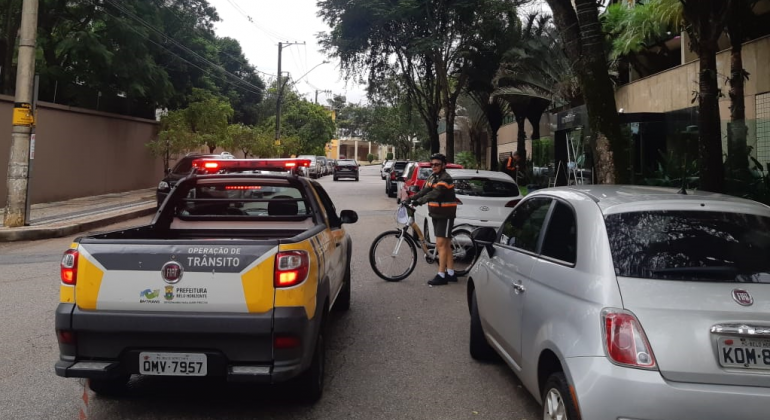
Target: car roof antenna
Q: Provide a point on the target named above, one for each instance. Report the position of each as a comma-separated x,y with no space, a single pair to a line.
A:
683,190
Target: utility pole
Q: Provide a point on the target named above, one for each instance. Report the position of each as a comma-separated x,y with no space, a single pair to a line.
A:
23,118
327,91
279,86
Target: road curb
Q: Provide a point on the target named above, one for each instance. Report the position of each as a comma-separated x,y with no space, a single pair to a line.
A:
34,233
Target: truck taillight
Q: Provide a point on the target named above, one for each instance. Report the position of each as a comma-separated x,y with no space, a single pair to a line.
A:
512,203
625,340
69,267
291,268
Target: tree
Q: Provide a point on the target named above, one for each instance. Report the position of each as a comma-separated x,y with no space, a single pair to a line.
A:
583,44
174,138
429,41
208,117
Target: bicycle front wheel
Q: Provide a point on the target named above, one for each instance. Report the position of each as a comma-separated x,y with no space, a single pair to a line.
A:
393,255
464,252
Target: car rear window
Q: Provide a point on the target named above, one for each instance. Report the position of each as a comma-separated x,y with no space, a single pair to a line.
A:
346,162
242,201
485,187
690,245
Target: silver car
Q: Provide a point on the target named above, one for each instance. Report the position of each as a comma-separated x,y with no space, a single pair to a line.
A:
613,302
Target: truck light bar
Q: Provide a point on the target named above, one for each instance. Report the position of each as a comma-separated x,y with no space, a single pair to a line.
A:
209,165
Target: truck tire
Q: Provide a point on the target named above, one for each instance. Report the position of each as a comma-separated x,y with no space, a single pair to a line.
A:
310,383
342,303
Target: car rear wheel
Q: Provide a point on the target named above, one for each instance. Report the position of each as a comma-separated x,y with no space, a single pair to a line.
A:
336,179
480,348
557,400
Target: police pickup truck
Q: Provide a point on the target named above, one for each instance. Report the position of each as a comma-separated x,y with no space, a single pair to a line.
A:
234,277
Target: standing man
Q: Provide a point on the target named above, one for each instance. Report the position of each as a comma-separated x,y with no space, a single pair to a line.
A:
514,166
439,193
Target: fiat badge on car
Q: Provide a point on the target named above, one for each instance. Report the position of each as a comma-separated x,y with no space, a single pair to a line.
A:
171,272
742,297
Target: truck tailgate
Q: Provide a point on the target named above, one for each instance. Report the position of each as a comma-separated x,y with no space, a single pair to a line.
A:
176,277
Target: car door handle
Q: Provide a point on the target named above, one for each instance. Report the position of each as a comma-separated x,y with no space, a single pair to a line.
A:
518,287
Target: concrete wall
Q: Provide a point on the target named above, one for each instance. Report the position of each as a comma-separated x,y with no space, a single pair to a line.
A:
80,153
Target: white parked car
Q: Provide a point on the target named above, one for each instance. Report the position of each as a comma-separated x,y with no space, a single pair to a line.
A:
485,199
626,302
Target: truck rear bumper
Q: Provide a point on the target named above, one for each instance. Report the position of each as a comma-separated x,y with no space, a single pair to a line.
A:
239,347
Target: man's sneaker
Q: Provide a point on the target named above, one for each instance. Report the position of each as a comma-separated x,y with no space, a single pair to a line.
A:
437,281
451,277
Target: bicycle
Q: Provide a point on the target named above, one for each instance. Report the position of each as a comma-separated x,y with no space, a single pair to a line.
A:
393,254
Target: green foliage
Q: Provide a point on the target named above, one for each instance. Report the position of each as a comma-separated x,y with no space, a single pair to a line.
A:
208,117
675,170
131,56
370,157
542,152
174,138
632,29
467,159
389,156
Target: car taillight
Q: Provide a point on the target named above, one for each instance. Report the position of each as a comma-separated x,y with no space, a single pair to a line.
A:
625,340
291,268
392,176
65,337
336,168
286,342
512,203
69,267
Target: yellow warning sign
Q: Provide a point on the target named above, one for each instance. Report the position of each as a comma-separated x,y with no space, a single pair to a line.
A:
277,142
22,115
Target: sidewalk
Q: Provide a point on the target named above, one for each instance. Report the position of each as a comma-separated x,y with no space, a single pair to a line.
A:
64,218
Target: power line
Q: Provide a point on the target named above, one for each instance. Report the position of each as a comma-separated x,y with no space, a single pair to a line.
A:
272,34
180,45
146,36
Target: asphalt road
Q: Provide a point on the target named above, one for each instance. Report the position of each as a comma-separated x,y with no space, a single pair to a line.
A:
401,352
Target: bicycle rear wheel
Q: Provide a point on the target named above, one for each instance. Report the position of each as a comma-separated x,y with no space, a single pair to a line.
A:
464,251
393,255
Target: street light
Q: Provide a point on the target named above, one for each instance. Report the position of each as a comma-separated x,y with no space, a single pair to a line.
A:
278,104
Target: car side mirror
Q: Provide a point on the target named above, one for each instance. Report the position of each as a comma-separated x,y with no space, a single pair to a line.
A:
414,189
485,237
348,216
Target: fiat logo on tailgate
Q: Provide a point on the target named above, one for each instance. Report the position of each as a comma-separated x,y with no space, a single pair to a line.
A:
742,297
171,272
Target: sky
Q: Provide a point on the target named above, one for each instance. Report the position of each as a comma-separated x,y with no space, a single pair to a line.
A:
274,21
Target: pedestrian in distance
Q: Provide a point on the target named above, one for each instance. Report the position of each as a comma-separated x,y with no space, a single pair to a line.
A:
514,166
438,192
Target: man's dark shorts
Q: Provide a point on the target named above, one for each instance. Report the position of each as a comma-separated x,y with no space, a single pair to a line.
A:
442,228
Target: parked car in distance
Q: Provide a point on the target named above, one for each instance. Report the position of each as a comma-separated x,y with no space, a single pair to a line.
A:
601,297
385,169
346,168
331,163
181,169
400,180
485,199
314,170
395,171
322,165
415,176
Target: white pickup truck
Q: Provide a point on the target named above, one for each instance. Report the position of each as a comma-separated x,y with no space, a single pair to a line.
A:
234,277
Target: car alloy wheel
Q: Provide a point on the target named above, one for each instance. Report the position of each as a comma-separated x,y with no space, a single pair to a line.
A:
553,406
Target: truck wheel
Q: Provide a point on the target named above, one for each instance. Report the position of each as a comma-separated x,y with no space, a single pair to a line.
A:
343,300
310,383
109,387
557,399
480,348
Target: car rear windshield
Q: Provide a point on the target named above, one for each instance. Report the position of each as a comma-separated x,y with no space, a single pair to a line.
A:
485,187
346,162
242,201
690,245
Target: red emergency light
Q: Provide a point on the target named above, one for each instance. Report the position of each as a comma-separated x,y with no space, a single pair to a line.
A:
208,165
